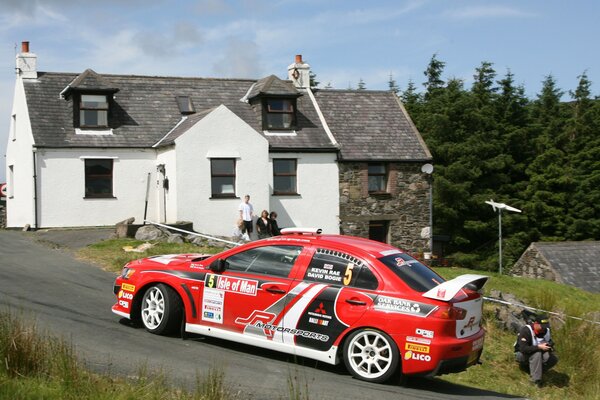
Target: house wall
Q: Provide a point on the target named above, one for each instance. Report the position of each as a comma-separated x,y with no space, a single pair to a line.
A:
532,264
405,207
19,155
222,134
166,210
61,187
318,202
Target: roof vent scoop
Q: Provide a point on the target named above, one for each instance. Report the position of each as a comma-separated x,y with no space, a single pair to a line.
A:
26,63
299,73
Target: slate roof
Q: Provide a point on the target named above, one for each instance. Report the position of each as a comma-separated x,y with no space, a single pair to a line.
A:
371,125
577,263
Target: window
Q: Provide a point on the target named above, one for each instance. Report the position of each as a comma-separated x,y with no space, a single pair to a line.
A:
378,230
377,178
416,275
268,260
10,193
98,178
13,130
284,176
279,114
222,177
337,268
186,106
93,111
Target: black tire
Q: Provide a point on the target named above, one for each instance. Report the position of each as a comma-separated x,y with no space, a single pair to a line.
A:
371,355
161,310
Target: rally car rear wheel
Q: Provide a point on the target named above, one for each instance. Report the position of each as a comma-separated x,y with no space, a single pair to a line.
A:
371,355
161,309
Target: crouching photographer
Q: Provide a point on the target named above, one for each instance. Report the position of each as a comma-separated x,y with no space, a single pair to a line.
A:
534,349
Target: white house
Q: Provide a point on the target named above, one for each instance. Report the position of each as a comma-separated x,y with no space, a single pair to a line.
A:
90,150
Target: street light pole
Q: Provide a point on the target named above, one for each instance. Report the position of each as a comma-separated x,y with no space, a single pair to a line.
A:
500,207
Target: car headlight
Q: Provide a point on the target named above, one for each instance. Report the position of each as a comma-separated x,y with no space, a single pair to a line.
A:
127,272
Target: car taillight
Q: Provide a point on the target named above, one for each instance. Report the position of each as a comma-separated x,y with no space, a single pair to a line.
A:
450,312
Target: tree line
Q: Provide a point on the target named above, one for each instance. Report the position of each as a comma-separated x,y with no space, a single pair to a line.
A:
490,141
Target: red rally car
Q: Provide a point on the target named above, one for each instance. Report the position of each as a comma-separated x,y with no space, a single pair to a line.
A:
325,297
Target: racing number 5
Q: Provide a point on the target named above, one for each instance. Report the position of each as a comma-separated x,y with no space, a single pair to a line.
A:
348,274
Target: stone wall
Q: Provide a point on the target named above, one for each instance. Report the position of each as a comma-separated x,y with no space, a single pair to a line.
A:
2,217
532,264
405,207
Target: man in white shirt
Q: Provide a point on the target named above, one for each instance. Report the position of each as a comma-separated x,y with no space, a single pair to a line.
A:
247,214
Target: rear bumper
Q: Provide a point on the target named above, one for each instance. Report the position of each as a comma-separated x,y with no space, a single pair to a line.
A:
454,365
442,355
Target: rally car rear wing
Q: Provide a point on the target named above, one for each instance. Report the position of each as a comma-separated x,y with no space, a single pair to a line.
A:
447,290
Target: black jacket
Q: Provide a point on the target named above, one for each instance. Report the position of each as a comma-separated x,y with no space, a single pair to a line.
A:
525,341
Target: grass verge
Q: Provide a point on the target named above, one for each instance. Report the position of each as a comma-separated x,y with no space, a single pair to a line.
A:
576,376
37,366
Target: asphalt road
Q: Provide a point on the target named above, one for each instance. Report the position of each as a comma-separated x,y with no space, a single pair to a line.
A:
72,299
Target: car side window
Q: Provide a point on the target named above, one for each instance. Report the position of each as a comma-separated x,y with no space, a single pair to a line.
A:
267,260
338,268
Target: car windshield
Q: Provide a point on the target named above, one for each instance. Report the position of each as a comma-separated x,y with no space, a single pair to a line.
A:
416,275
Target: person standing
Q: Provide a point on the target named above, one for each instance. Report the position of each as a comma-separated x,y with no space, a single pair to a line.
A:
263,225
535,348
274,226
247,214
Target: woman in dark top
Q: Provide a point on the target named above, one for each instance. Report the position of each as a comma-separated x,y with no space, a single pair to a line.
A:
263,225
274,227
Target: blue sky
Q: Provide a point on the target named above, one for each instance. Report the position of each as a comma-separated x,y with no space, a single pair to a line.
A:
343,40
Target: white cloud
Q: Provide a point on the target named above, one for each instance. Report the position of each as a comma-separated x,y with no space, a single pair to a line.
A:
240,59
491,11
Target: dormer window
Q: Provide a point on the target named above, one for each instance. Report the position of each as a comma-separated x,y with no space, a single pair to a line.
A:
279,114
93,111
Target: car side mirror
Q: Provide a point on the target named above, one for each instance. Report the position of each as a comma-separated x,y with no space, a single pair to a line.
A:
218,265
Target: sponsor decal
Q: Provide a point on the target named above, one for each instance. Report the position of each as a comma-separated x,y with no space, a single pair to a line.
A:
262,320
416,347
124,303
212,305
197,266
389,252
229,284
125,295
477,344
399,261
318,321
393,304
409,355
441,292
128,287
470,324
415,339
424,333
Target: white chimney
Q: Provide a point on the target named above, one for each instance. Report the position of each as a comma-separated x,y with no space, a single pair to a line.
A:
26,62
299,73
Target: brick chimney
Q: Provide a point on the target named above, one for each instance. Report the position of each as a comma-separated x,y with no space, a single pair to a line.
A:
299,73
26,63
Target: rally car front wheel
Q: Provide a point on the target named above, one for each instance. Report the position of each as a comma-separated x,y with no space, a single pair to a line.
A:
371,355
161,309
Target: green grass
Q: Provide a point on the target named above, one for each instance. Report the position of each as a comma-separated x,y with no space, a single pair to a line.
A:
577,375
37,366
111,256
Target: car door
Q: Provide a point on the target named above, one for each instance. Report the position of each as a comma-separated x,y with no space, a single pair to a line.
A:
334,293
249,295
